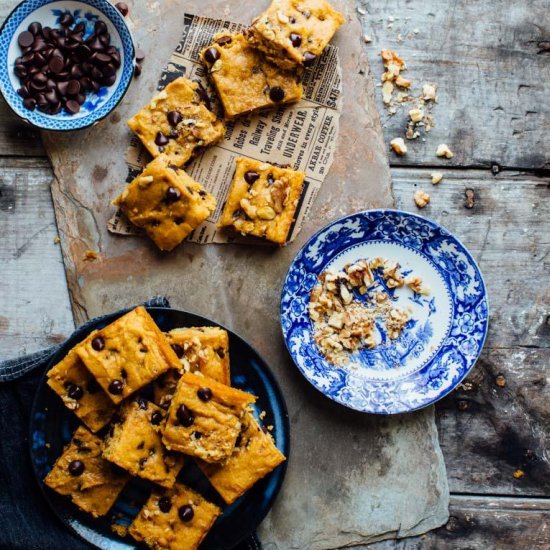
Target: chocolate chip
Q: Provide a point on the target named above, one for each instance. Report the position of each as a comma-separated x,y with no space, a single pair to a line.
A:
224,40
35,28
76,467
186,512
211,55
161,140
295,39
23,92
250,177
51,96
309,59
140,55
156,418
100,27
204,394
73,87
172,194
178,350
29,103
220,352
66,20
116,387
98,343
25,39
137,70
270,179
93,386
122,8
174,118
292,20
164,504
79,28
123,374
197,435
56,64
276,94
75,392
185,416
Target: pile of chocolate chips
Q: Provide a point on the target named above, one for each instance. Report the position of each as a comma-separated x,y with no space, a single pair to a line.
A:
58,67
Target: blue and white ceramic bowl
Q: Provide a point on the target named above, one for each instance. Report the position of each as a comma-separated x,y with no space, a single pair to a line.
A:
440,343
48,13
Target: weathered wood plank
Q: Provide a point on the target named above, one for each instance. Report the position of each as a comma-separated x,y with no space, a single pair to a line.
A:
490,60
16,137
484,523
34,306
508,233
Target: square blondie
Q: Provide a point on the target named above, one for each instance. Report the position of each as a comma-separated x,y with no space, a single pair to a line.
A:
177,519
80,392
166,202
135,444
204,418
245,81
199,349
262,200
177,122
254,456
82,474
127,354
295,32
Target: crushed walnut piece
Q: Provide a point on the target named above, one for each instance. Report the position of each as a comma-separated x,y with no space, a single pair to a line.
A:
343,321
444,151
90,256
421,198
398,146
436,177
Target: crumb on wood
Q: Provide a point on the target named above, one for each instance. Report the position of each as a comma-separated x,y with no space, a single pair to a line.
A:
120,530
500,381
443,150
90,256
56,239
436,177
398,146
421,198
519,473
469,199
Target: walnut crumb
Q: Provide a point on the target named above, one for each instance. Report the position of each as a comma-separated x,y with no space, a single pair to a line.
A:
56,239
518,474
421,198
367,39
436,177
398,146
444,151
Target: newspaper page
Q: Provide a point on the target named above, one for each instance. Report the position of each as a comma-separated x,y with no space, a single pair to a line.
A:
302,135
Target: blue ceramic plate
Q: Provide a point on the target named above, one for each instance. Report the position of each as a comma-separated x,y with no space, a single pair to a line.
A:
48,13
440,343
52,425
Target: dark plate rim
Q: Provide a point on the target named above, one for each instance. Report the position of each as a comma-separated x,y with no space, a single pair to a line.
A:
87,328
384,211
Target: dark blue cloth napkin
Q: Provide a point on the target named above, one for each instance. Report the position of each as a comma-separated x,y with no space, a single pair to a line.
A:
26,521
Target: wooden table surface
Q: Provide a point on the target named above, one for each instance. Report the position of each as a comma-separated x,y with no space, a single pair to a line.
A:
491,61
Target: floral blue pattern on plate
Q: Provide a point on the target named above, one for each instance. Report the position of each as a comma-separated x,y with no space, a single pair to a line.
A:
52,425
48,13
438,346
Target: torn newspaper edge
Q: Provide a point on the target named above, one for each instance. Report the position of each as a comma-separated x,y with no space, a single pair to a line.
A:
302,134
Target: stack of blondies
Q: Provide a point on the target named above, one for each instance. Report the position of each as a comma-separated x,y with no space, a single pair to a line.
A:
254,70
190,412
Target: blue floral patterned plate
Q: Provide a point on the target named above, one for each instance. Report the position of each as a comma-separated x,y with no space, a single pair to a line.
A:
49,12
52,425
439,344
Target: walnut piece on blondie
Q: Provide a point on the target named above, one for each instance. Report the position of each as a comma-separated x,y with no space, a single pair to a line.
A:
135,444
199,349
245,81
82,474
166,202
177,121
255,455
295,32
80,392
204,418
262,200
127,354
176,519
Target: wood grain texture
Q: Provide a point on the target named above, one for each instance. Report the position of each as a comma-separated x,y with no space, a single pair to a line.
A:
490,60
34,307
508,233
16,137
484,523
